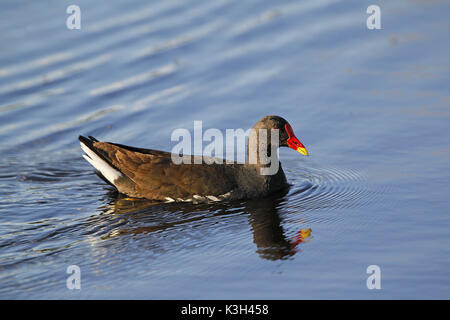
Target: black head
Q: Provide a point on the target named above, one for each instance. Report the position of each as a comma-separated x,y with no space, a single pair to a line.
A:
286,133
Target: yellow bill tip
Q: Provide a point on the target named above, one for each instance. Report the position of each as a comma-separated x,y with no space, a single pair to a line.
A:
303,151
305,233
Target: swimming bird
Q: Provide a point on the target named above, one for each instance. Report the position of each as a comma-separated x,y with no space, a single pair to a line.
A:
153,175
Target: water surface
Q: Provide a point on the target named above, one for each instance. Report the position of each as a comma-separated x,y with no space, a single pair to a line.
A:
372,107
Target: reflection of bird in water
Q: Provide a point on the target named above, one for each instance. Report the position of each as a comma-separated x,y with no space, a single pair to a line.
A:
268,233
264,219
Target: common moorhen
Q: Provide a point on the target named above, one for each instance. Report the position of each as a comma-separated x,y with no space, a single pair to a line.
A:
152,174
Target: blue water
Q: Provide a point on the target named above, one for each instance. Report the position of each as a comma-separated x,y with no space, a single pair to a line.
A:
371,106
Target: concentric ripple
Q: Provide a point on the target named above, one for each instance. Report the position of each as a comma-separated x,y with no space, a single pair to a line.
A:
316,188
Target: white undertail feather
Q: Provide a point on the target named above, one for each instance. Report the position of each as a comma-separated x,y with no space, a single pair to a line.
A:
101,165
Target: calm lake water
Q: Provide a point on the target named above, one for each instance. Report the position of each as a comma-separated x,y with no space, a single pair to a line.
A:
371,106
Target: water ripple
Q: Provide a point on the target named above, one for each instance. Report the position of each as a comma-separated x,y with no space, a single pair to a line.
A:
316,188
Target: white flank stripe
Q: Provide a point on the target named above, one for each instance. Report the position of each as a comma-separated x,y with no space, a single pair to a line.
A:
213,198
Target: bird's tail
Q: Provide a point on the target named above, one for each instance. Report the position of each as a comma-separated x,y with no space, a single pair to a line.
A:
106,170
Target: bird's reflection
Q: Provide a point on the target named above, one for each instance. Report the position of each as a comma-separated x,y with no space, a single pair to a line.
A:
264,218
268,233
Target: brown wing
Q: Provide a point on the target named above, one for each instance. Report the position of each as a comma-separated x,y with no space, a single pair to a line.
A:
156,176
